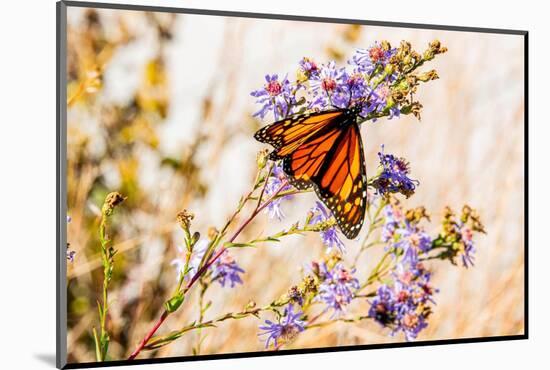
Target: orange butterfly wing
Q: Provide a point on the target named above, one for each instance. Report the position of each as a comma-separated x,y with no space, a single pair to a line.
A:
288,134
325,150
342,182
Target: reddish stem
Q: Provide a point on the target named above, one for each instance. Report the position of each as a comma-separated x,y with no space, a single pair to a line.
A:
205,267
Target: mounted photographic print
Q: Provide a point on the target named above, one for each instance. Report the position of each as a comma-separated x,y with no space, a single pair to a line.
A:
236,184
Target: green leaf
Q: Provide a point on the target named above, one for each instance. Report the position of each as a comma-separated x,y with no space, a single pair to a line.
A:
97,346
240,245
174,303
157,342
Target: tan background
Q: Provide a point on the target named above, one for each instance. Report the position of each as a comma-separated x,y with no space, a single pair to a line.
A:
467,149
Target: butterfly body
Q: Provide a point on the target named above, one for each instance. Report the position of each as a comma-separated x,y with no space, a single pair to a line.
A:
324,150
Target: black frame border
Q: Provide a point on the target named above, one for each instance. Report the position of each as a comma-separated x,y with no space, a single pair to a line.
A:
61,171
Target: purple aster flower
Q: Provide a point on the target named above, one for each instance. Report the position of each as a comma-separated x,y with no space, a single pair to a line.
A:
382,306
355,91
379,101
367,60
405,236
277,96
329,236
326,88
355,85
404,305
336,289
394,176
274,209
467,253
199,249
287,327
393,218
458,235
226,270
309,68
412,241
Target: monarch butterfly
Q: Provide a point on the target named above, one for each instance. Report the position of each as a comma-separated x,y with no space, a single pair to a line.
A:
324,150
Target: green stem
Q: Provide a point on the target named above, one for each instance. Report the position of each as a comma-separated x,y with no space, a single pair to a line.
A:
144,343
346,320
372,227
202,310
157,342
107,255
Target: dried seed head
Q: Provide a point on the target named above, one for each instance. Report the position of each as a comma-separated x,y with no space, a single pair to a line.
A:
111,201
309,285
184,219
428,76
415,215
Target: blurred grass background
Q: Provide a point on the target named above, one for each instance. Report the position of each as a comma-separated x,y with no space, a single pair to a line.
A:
159,109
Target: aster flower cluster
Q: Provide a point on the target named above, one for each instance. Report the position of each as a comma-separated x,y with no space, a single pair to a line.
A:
337,286
381,80
278,96
320,216
303,293
404,304
274,209
394,176
286,328
457,237
226,271
403,234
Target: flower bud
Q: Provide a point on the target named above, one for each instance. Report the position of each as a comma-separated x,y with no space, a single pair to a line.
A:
195,238
261,158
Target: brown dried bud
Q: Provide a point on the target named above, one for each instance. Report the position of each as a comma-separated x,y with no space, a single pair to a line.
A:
428,76
416,107
434,49
111,201
405,47
415,215
466,211
184,219
415,56
309,285
398,96
448,212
